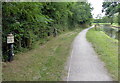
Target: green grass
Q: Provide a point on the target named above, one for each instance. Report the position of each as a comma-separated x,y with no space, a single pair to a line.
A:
101,23
115,24
107,49
46,62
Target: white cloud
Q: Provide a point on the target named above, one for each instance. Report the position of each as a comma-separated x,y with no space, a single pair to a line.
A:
97,5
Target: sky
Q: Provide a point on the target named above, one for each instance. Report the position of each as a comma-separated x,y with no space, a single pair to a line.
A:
97,5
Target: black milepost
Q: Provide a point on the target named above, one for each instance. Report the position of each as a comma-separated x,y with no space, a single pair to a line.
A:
10,41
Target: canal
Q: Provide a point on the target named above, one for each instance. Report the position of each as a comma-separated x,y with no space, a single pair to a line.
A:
110,31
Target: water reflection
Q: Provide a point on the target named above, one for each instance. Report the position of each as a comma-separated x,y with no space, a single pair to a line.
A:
110,31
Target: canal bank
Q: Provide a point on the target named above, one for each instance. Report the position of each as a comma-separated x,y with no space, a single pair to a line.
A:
106,48
109,30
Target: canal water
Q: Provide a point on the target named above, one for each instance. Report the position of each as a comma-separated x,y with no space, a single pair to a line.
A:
110,31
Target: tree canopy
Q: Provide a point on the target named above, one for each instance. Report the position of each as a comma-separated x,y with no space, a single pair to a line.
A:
110,8
30,22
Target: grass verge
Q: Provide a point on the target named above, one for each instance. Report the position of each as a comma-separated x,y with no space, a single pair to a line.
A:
107,49
115,24
101,23
46,62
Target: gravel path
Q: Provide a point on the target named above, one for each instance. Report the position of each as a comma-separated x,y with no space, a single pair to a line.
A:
84,64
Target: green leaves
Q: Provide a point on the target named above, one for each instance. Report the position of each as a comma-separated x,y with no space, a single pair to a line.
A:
111,8
34,21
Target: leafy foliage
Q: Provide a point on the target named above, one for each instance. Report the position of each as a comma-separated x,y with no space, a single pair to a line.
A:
110,8
30,22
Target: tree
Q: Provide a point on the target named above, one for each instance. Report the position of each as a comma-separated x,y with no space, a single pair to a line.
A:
31,22
110,8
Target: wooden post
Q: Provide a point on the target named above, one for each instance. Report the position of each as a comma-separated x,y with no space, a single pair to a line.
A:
55,32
